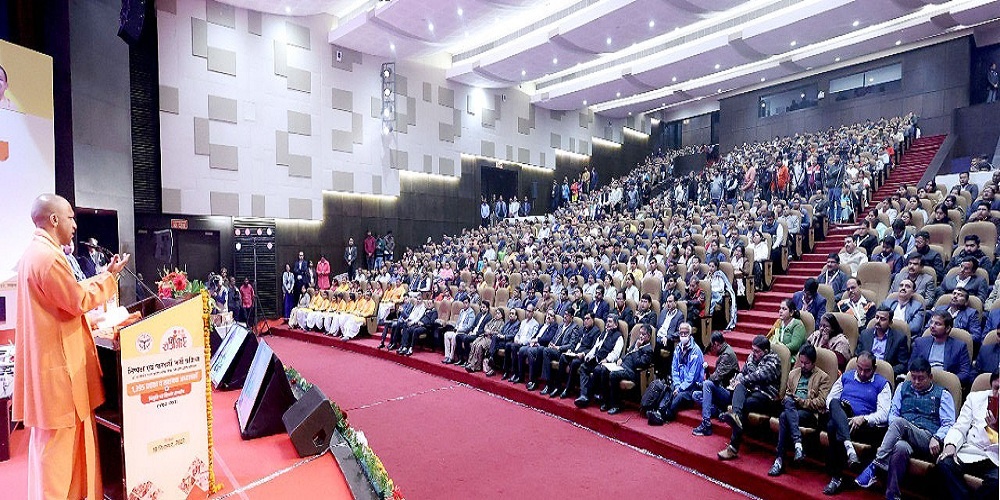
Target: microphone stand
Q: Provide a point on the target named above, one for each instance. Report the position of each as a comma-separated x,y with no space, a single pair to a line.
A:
109,254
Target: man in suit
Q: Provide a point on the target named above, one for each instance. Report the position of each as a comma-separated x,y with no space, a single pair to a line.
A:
393,328
525,332
465,323
599,307
607,348
922,282
422,326
301,271
571,359
506,334
668,323
888,255
803,403
57,376
543,334
942,350
963,316
968,448
645,313
608,379
350,258
463,341
967,279
624,312
567,337
929,256
971,248
885,343
808,299
906,308
832,275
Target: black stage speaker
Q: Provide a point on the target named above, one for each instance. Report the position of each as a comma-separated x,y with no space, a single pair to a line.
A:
310,423
266,396
231,360
131,20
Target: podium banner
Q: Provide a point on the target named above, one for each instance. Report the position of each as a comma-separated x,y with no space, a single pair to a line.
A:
164,407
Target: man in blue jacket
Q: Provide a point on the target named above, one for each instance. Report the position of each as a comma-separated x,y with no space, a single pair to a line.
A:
687,374
906,308
943,351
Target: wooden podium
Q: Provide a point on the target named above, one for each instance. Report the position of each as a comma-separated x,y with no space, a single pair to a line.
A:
153,429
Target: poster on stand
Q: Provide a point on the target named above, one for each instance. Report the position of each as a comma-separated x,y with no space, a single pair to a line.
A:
164,406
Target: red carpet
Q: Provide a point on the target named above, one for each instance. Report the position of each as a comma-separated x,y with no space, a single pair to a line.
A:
440,439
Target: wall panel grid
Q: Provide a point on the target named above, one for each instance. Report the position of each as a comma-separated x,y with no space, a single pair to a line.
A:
262,105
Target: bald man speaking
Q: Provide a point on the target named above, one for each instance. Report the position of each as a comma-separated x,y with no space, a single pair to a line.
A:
57,378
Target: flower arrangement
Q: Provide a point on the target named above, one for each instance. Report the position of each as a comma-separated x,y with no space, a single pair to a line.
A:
370,463
175,284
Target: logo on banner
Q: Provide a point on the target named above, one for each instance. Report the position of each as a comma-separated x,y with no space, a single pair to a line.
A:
176,338
144,342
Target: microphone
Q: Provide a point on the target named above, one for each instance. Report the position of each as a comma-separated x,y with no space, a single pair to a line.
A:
110,255
99,248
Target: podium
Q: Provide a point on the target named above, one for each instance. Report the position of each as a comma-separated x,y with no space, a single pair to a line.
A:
153,428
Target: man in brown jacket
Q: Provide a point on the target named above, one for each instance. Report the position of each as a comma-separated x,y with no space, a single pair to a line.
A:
57,378
805,399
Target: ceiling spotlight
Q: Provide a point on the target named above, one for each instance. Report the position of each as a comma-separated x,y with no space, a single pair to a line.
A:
392,47
618,94
674,79
430,26
899,42
652,23
763,79
288,10
719,91
460,12
836,60
717,66
793,43
387,92
802,96
523,72
386,73
855,23
630,113
608,41
555,60
584,102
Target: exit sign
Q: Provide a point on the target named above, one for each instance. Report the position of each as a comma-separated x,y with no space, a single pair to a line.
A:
178,224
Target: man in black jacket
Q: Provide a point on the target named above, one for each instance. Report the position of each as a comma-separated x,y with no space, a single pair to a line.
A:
892,346
607,349
756,386
715,390
607,380
422,327
566,337
463,341
571,359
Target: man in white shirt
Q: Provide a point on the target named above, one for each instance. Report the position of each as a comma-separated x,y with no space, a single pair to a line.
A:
852,255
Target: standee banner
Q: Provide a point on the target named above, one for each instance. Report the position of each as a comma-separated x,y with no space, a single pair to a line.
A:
164,406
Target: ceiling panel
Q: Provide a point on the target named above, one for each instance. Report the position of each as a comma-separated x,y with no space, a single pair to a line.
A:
628,25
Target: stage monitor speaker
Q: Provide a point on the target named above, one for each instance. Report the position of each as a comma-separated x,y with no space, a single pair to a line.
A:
310,422
266,396
131,20
232,360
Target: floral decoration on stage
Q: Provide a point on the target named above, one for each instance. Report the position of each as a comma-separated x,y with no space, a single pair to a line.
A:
370,463
176,285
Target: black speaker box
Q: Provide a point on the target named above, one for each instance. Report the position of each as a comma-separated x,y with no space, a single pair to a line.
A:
265,398
310,422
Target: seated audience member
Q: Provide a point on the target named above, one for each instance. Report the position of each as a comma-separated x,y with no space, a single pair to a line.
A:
970,446
623,310
967,279
414,330
399,316
686,375
833,276
788,328
305,299
351,322
942,350
607,348
669,321
716,388
568,336
479,348
971,249
525,332
964,316
571,359
906,308
608,376
920,417
805,400
858,404
885,343
923,283
852,255
543,335
755,387
856,304
598,306
466,321
778,235
886,253
830,335
505,336
929,256
808,299
463,341
695,301
644,312
988,359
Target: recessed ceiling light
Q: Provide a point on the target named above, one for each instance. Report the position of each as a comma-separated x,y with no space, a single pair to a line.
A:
663,104
898,42
392,47
763,78
802,96
630,113
717,66
555,60
288,10
793,43
523,72
430,26
460,11
719,91
608,41
584,102
855,23
674,79
618,94
836,60
652,23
